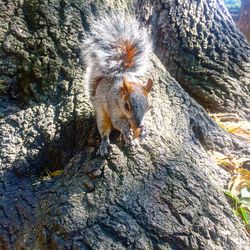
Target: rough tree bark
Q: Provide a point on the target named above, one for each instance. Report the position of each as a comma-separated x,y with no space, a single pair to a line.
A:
244,20
167,194
201,47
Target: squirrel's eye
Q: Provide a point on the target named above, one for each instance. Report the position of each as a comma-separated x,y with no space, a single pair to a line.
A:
127,107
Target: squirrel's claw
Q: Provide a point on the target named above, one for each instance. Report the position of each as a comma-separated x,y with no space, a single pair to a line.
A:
134,143
144,132
104,148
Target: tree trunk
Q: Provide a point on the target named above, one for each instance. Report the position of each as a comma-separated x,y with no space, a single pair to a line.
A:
166,194
244,19
200,46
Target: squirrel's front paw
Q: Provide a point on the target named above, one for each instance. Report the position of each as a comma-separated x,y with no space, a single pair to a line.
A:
127,135
144,132
104,148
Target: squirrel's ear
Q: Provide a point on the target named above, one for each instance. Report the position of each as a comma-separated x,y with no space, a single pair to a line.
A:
126,85
149,85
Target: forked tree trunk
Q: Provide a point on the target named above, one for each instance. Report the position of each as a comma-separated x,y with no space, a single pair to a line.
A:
167,194
200,46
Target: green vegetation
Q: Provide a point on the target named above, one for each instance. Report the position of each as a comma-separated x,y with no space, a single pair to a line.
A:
241,206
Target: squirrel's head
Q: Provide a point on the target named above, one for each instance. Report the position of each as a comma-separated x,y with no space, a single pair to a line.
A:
134,101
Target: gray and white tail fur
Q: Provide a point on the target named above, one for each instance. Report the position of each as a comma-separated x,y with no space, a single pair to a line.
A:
116,46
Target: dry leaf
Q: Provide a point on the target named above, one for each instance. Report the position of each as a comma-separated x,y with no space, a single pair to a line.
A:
239,181
228,162
56,173
233,124
222,160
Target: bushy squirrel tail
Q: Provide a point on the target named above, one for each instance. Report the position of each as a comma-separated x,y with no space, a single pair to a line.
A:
116,46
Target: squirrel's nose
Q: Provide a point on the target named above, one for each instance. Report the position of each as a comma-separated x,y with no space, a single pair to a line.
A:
138,117
138,123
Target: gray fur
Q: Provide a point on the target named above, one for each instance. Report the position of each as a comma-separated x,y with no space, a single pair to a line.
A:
101,48
139,105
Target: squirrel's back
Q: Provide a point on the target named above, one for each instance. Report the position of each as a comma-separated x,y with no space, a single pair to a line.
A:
116,46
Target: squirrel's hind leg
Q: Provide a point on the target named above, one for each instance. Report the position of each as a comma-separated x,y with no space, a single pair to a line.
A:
104,126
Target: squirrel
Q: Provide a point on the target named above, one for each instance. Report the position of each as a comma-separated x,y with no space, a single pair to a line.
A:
116,54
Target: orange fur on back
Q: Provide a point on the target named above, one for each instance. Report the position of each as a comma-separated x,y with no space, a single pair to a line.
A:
130,52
